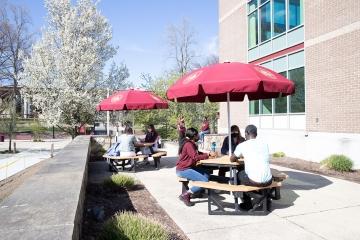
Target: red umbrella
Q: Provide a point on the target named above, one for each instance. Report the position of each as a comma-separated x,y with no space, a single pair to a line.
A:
236,79
225,82
132,99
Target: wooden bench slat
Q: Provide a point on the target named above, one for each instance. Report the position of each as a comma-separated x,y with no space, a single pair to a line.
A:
277,175
231,188
137,157
159,154
183,179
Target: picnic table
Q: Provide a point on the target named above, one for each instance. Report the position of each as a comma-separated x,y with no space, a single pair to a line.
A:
224,161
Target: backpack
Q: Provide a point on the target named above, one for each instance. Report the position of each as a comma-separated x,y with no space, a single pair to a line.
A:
113,150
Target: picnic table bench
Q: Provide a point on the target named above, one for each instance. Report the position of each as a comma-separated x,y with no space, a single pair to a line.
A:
262,195
261,203
122,164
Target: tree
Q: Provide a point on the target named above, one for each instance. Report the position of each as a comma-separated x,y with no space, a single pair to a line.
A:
181,48
181,44
15,43
116,79
64,69
8,124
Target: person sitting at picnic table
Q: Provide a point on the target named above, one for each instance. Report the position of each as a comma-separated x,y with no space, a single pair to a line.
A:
256,159
151,137
205,129
128,142
186,164
236,138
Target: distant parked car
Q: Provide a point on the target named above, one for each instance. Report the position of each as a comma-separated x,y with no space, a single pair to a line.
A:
99,128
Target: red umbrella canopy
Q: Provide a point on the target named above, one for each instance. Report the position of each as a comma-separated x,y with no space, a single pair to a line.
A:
237,79
132,99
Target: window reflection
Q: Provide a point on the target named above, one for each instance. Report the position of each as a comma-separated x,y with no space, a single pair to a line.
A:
295,13
265,22
297,101
279,17
253,30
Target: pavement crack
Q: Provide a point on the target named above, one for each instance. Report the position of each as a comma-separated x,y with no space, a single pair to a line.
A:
321,211
305,229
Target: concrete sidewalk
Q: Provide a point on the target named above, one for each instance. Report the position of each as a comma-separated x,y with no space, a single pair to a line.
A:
312,207
30,154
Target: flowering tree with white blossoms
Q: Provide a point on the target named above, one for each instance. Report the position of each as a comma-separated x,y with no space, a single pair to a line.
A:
64,72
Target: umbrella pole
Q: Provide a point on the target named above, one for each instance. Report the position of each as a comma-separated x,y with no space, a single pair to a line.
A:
133,123
229,123
108,117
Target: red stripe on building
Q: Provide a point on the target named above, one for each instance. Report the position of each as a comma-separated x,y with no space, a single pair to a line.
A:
279,53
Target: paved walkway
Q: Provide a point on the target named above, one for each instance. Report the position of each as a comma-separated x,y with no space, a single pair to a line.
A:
30,154
312,207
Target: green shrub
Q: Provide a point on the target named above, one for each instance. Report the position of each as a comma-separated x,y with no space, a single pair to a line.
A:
131,226
278,154
119,180
37,130
338,163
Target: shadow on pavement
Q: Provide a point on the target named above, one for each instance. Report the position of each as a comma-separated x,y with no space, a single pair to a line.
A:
298,181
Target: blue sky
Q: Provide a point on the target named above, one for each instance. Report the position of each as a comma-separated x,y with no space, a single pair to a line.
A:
139,29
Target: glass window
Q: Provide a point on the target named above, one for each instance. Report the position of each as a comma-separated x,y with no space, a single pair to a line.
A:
254,107
253,30
297,101
295,13
252,5
279,17
262,1
266,106
265,22
281,102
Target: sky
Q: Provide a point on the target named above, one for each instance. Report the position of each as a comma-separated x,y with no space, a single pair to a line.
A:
139,29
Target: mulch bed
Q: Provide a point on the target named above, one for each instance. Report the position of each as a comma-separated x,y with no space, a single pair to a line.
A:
314,167
101,203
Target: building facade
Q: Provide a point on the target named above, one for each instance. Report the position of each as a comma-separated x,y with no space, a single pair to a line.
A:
316,45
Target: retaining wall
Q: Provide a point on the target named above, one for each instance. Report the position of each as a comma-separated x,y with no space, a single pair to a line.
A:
49,205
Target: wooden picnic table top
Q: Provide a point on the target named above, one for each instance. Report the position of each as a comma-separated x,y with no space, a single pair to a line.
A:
221,161
148,144
224,161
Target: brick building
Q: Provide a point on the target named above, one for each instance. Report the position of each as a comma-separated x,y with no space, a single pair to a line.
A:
315,44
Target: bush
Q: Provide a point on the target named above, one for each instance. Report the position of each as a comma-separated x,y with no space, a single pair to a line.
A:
37,130
119,180
338,163
278,154
127,225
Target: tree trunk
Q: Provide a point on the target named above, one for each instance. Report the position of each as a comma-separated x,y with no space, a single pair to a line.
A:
10,141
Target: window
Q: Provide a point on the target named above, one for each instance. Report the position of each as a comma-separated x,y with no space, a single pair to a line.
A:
270,18
254,107
281,102
295,13
252,5
253,30
265,22
279,17
266,106
297,101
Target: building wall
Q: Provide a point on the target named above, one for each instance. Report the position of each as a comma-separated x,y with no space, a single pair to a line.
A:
233,47
332,66
332,81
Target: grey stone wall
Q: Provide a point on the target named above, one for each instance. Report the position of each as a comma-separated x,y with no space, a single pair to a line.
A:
49,205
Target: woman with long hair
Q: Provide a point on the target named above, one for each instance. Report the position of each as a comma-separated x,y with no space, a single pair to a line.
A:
186,164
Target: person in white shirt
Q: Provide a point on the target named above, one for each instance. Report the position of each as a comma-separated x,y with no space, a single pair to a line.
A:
256,159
